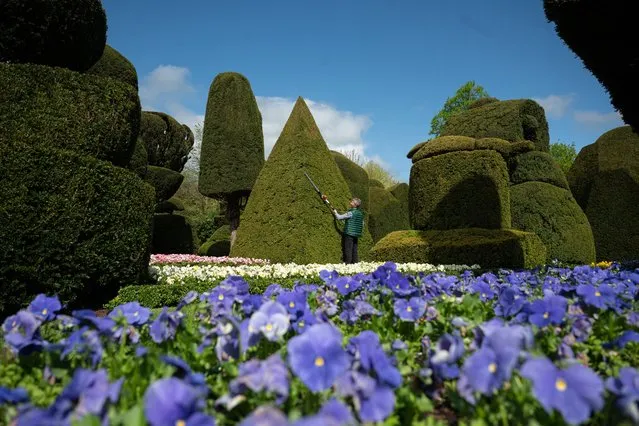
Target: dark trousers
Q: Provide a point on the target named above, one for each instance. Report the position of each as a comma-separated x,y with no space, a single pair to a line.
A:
349,249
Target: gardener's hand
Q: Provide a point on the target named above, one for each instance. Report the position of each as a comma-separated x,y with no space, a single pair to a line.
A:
334,212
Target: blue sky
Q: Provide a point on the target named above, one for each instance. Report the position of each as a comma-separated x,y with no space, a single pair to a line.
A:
374,72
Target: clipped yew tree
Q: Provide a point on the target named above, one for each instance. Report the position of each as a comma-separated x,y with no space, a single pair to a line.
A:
63,33
114,65
232,152
356,178
285,219
600,34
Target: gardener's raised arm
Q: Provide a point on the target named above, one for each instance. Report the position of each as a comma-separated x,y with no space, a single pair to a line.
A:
346,215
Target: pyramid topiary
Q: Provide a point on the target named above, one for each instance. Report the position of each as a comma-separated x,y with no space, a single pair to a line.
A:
114,65
284,219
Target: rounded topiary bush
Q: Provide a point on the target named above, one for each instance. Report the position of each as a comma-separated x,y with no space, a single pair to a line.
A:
58,33
554,215
165,181
55,107
71,225
168,143
114,65
464,189
488,248
219,244
139,160
536,166
172,233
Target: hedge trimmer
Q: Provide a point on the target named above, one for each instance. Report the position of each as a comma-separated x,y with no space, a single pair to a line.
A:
322,196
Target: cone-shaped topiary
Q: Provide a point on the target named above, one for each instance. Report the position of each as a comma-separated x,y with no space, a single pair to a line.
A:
374,183
114,65
600,34
355,176
55,107
513,120
168,142
58,33
285,220
232,152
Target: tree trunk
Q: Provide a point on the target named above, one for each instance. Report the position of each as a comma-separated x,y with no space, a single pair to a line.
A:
233,213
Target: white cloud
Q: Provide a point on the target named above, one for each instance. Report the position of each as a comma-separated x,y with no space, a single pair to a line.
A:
164,82
555,106
595,118
342,130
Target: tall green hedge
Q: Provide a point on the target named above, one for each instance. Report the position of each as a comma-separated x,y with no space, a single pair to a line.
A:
464,189
285,220
536,166
233,140
71,225
387,213
401,192
554,215
114,65
488,248
355,176
140,159
512,120
172,233
59,33
600,33
55,107
168,143
582,173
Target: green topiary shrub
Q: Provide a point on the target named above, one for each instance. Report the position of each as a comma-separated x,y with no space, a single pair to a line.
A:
219,244
165,181
488,248
374,183
464,189
114,65
71,225
169,206
285,220
446,144
401,192
139,160
536,166
387,213
482,101
582,173
58,33
512,120
59,108
613,212
600,34
416,148
172,234
168,143
356,178
554,215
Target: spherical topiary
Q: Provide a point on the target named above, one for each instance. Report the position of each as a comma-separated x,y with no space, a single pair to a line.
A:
59,33
114,65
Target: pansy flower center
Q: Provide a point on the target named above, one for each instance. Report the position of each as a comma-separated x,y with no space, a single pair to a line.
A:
347,286
135,314
597,294
492,367
561,385
180,423
269,327
319,361
44,311
291,305
220,297
301,323
546,315
409,309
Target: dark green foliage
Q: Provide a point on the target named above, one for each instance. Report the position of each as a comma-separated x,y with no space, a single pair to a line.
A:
582,173
219,244
59,108
169,206
168,142
464,189
401,192
387,213
233,141
483,101
374,183
114,65
613,212
445,144
513,120
356,178
416,148
139,159
601,34
553,214
159,295
71,225
489,248
165,181
60,33
536,166
172,234
285,220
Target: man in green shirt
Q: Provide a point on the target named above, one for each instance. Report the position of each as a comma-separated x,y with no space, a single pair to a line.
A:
353,228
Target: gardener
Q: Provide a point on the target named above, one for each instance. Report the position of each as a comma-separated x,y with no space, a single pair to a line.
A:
352,230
